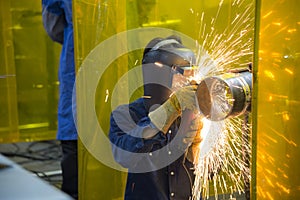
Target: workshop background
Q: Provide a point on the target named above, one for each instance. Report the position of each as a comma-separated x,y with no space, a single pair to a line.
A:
29,85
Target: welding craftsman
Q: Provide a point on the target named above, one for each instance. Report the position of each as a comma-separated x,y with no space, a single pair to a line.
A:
157,136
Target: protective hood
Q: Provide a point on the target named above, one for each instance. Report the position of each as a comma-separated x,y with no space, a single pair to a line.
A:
160,63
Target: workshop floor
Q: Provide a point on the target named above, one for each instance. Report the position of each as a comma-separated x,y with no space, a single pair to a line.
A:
41,158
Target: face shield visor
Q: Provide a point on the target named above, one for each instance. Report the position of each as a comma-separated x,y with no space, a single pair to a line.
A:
183,76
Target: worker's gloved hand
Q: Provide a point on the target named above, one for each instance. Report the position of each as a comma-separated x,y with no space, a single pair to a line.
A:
188,137
180,100
194,138
184,98
192,135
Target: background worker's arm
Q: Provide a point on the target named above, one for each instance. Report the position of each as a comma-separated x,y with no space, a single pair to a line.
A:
53,20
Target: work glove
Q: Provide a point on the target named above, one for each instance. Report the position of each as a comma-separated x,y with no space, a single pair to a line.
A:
194,138
189,134
182,99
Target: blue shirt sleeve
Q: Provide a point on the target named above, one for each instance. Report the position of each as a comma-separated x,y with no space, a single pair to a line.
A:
128,127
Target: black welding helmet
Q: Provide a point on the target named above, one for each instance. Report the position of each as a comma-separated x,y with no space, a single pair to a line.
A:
163,58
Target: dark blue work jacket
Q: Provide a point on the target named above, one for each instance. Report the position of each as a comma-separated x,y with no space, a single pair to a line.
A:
157,168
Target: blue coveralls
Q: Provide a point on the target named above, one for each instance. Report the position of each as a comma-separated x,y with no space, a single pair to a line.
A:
171,182
57,21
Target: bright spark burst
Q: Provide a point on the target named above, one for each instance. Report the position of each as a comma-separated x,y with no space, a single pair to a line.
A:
224,158
225,152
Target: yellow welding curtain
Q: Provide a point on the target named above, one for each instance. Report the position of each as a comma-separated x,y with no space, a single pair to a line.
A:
276,105
109,39
28,74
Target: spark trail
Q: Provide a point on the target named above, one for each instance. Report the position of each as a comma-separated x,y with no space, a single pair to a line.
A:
223,164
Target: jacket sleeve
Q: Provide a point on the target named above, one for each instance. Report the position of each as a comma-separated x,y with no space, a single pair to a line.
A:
131,139
53,17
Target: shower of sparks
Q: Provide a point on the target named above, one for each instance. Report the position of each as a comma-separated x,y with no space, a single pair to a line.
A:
225,152
223,160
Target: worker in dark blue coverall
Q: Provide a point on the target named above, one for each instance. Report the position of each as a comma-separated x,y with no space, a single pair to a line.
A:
57,21
157,136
